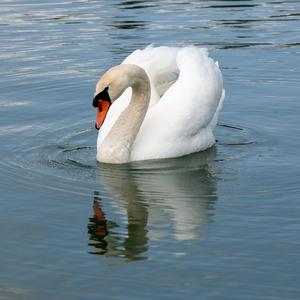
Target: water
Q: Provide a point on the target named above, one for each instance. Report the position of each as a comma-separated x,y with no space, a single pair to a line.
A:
222,224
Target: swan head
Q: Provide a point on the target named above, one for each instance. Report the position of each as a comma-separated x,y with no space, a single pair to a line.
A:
110,87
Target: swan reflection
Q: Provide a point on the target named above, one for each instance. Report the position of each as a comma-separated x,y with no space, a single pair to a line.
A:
107,241
160,200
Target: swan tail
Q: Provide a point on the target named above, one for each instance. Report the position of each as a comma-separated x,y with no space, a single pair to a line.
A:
214,120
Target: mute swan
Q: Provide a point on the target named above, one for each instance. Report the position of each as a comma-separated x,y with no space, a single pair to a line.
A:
161,102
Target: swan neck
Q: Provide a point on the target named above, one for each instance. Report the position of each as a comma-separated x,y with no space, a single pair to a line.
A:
116,146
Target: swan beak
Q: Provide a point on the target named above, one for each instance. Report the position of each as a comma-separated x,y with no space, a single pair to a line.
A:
103,107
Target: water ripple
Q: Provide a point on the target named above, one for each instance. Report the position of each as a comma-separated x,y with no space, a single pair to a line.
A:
213,216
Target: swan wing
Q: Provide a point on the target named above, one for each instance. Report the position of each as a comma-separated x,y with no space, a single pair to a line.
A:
182,122
160,66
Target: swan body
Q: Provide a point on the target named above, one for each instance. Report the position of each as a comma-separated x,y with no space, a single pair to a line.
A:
165,103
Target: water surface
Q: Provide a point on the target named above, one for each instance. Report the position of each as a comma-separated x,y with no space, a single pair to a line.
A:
221,224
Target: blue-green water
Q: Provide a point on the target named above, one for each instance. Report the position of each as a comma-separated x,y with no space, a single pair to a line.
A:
222,224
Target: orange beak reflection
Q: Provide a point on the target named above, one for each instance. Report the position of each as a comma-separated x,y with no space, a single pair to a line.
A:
103,107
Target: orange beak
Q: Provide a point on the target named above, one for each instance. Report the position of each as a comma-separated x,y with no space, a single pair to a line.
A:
103,107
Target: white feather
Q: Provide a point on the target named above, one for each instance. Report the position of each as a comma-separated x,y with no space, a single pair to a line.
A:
182,113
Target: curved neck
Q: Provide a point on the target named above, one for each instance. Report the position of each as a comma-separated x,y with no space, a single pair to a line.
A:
116,146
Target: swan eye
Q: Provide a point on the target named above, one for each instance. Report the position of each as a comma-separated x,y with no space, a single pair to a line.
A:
103,95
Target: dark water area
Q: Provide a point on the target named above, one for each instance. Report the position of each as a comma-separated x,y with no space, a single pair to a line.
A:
221,224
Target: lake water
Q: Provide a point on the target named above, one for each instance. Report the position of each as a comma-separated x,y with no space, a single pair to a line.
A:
222,224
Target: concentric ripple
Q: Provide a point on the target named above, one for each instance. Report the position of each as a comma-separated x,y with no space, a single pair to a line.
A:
222,223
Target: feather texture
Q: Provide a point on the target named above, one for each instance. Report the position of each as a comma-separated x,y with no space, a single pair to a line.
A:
186,97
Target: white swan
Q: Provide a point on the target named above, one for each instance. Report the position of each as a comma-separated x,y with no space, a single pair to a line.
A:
160,102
